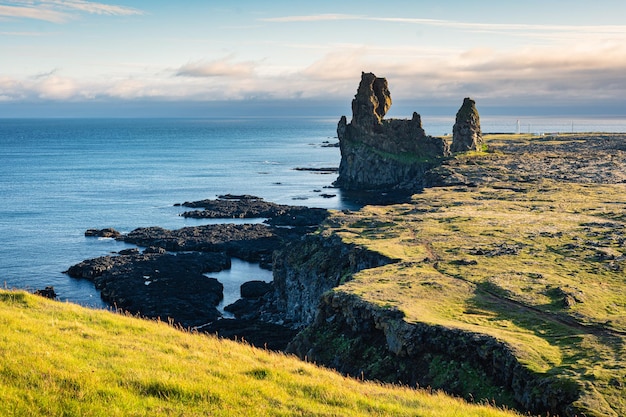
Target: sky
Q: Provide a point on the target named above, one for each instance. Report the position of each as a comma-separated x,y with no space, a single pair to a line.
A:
241,57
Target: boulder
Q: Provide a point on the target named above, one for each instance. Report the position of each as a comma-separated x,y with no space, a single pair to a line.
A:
255,289
466,133
108,233
245,308
47,292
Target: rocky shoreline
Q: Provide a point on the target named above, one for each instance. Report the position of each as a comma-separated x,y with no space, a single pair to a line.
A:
167,280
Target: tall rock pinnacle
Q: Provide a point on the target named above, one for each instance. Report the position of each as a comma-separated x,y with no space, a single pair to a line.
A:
372,101
466,133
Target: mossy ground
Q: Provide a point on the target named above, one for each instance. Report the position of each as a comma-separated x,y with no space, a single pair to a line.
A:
60,359
539,265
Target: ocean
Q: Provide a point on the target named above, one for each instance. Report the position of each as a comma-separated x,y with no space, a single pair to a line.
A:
59,177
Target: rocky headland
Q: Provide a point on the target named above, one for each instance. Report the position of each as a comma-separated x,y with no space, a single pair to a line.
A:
504,281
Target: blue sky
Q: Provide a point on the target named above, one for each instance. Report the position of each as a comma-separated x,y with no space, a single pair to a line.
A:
77,57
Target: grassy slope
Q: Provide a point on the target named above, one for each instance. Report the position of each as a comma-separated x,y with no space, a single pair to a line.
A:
538,266
64,360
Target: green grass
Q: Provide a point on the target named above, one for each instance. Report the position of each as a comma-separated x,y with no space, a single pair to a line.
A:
59,359
540,267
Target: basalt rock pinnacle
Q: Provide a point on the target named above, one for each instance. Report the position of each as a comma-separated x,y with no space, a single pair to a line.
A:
466,133
379,154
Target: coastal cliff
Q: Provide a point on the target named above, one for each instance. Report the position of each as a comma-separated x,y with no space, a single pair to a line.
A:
304,270
361,339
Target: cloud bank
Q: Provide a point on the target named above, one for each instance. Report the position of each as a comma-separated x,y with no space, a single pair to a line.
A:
546,75
582,65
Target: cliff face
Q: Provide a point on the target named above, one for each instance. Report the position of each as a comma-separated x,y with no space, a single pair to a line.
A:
383,154
306,269
361,339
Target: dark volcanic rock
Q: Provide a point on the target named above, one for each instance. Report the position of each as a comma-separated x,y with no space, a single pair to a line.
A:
302,218
159,285
245,308
383,154
466,133
307,268
228,206
255,289
47,292
256,332
250,242
247,206
108,232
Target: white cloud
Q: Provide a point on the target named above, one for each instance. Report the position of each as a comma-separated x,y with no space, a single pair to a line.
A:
312,18
92,7
543,31
549,74
36,13
60,11
56,88
542,75
224,67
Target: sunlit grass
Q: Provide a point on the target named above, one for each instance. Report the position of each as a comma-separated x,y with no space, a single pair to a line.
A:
64,360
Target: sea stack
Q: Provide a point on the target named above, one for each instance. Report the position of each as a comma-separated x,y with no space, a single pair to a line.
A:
466,133
379,154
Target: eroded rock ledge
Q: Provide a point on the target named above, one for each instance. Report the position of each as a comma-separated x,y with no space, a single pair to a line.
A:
156,284
306,269
360,339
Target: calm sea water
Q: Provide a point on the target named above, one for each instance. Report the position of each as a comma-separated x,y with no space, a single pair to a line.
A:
59,177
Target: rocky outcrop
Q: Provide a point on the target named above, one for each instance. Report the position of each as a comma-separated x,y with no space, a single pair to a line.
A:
250,242
248,206
360,339
255,289
155,283
383,154
466,133
160,285
47,292
105,233
306,269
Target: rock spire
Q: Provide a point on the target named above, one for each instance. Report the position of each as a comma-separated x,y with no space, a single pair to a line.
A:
466,133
